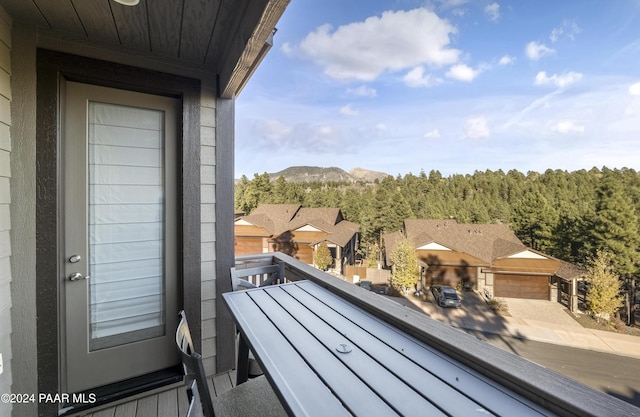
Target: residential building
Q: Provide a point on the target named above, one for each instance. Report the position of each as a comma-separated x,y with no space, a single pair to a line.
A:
297,231
488,257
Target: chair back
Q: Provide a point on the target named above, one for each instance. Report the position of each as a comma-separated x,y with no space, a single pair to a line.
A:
259,276
200,403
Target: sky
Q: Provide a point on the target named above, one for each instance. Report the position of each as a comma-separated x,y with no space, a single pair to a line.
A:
458,86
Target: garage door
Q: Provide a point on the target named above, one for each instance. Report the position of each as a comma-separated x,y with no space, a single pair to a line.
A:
522,286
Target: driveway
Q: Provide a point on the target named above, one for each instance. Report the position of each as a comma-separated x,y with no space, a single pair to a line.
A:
533,311
476,314
542,321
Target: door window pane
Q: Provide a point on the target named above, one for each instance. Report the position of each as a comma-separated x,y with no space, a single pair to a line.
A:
126,224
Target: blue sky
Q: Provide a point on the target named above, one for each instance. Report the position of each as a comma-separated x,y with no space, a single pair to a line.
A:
401,86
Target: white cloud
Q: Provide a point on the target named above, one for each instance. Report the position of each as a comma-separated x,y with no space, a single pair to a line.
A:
523,130
324,132
634,89
492,11
507,60
432,134
535,50
275,130
559,81
417,78
394,41
381,129
287,49
348,111
533,107
567,127
477,128
461,72
363,91
573,29
555,34
569,29
446,4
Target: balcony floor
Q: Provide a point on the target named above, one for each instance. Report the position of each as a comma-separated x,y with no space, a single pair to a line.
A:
169,403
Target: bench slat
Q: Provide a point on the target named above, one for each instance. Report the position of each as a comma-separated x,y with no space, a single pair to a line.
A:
282,361
454,374
345,384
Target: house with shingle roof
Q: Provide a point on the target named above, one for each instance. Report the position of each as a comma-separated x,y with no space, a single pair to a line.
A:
488,257
297,231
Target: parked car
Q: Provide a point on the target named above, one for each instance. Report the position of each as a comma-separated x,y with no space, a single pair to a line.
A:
446,296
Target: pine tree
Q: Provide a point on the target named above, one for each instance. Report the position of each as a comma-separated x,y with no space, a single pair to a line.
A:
535,221
256,192
238,195
616,226
284,192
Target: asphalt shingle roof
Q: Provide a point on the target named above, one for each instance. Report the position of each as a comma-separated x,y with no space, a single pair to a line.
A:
569,271
483,241
280,218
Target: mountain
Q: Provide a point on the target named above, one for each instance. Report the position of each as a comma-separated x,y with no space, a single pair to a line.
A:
308,174
366,175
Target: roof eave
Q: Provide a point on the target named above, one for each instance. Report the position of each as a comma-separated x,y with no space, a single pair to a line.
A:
253,52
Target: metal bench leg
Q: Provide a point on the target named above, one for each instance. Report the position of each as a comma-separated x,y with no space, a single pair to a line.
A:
242,370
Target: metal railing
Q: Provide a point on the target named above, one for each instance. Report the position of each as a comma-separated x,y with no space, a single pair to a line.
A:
553,392
257,276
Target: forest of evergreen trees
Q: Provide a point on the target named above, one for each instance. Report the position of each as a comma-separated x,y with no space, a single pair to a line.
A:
568,215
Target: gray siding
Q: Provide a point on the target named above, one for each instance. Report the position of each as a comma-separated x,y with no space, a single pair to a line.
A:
23,215
5,208
208,219
22,151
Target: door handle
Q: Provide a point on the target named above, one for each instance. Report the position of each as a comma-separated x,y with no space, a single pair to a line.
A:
77,276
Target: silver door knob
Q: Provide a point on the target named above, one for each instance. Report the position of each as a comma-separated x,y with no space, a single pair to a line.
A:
77,276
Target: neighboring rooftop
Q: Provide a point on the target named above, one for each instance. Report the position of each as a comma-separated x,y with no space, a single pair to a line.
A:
483,241
280,218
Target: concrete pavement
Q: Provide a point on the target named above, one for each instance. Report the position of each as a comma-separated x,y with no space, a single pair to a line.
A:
542,321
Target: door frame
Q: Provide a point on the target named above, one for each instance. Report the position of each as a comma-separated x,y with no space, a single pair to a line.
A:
51,68
98,364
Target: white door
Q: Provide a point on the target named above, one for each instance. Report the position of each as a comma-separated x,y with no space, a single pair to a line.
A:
120,283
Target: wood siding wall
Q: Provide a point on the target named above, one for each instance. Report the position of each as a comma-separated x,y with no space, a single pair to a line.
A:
5,206
441,257
302,237
224,216
525,265
248,245
252,231
24,371
305,254
450,275
208,224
